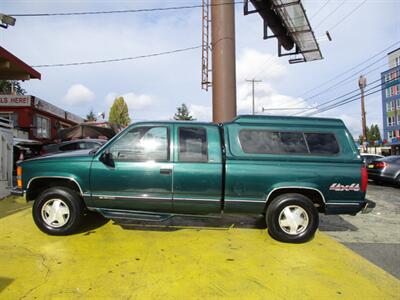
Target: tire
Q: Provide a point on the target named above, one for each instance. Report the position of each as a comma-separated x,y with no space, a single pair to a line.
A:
58,211
293,231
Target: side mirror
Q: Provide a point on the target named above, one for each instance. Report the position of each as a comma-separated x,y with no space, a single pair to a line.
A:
106,158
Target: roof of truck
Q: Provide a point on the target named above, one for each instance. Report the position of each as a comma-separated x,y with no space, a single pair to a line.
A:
285,120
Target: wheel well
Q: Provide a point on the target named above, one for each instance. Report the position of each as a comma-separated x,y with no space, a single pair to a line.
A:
39,185
313,195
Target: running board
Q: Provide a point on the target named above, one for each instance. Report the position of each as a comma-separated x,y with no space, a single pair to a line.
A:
119,214
133,215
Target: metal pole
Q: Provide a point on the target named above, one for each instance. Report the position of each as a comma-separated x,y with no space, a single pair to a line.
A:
223,60
362,83
252,82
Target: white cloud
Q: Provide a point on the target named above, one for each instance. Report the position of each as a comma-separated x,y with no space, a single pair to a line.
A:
134,101
268,68
265,66
201,112
79,94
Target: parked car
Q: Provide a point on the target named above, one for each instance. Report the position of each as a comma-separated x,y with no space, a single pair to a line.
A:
287,168
368,158
385,169
73,145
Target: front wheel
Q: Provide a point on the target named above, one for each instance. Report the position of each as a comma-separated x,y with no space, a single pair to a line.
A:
292,218
58,211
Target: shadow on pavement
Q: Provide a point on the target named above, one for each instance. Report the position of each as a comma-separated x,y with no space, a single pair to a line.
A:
91,222
335,223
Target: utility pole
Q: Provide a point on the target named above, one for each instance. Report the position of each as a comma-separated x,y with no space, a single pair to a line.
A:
252,83
362,83
223,60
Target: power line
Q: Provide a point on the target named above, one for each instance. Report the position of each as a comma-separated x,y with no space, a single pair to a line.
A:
348,15
337,98
116,59
343,103
140,10
352,98
349,70
320,9
331,13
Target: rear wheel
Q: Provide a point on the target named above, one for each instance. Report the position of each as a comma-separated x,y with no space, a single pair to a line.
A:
292,218
58,211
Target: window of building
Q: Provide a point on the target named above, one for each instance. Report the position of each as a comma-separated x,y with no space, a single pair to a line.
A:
193,146
391,134
42,127
142,144
397,61
12,116
398,103
390,121
387,92
390,106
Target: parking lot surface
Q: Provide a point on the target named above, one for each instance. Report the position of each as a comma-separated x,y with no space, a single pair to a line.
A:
232,258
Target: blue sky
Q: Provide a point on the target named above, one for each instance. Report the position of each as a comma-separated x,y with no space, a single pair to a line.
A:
154,87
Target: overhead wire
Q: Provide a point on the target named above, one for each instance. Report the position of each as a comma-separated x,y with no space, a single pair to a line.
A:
351,98
139,10
320,9
347,15
331,13
117,59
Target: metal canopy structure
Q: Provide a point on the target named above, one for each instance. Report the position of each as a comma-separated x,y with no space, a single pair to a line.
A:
288,22
12,68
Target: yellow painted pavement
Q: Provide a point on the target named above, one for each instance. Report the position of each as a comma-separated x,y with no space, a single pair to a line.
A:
110,262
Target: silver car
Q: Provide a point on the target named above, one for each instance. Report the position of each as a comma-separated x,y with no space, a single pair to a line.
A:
385,169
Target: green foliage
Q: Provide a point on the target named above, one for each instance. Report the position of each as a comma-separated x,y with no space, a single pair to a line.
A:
373,134
183,114
119,114
91,117
5,87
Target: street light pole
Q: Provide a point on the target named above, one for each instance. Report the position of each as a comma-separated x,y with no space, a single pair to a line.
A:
362,83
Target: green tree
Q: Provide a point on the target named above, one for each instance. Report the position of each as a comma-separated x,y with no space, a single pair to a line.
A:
183,114
119,114
373,134
91,117
6,87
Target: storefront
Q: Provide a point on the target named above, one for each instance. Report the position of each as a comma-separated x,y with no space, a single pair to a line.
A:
35,118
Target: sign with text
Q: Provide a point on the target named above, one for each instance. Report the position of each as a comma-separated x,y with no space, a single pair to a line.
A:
15,100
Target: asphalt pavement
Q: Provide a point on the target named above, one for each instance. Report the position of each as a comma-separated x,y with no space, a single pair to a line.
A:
376,235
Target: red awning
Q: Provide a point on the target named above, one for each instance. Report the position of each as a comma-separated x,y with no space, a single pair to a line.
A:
12,68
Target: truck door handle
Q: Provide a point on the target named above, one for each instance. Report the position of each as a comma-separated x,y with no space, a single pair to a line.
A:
165,171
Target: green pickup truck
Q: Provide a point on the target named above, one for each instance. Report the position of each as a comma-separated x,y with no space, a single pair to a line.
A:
287,168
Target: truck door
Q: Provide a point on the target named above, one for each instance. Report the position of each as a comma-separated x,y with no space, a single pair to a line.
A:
197,175
141,178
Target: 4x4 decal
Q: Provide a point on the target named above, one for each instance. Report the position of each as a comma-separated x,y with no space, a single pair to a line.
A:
337,187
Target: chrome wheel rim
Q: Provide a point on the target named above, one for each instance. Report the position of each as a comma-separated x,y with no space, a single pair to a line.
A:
293,220
55,213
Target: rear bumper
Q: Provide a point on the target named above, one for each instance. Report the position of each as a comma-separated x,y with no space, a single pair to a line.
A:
17,192
349,208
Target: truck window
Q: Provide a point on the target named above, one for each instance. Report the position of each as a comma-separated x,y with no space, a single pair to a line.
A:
258,141
193,146
322,143
142,144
